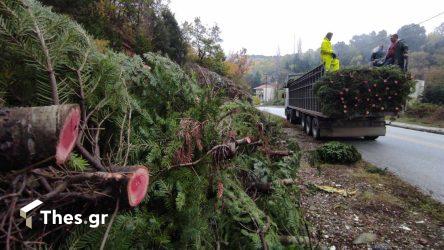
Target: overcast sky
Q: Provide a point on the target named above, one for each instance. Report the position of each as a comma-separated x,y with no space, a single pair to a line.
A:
261,26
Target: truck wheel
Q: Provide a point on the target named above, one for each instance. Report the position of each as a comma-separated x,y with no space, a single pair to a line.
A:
308,125
370,138
315,130
303,122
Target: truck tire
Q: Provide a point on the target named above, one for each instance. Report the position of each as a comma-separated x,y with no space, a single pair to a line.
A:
370,138
315,130
308,125
303,122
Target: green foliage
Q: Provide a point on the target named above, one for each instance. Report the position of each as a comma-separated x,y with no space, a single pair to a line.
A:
168,37
138,26
205,42
256,100
421,110
363,91
376,170
77,163
434,94
337,153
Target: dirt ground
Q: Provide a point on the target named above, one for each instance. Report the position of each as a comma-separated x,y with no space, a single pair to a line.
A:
384,213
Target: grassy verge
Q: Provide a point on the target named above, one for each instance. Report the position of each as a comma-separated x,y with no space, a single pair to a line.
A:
420,121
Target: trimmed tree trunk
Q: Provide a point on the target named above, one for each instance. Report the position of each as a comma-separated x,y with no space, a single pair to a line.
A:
133,182
32,134
129,184
136,182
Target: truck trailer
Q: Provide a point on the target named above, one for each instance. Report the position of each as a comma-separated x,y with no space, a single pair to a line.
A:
302,107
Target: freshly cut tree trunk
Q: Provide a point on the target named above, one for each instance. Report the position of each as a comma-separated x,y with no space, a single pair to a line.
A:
137,181
129,184
32,134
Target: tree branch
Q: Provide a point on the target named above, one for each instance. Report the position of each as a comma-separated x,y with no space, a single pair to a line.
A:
49,65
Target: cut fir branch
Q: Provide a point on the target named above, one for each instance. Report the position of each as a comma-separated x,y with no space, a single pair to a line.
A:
49,64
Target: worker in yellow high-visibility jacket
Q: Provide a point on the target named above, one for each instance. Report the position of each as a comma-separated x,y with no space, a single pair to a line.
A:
328,56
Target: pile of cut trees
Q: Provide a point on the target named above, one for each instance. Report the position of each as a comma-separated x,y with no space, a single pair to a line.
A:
35,144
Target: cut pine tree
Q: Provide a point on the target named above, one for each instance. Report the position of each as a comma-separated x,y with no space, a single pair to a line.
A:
32,134
129,184
138,180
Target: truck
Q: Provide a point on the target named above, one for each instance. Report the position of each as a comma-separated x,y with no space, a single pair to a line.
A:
302,107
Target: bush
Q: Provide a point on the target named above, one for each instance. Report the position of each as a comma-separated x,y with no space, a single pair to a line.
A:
363,91
421,110
337,152
434,94
256,101
438,115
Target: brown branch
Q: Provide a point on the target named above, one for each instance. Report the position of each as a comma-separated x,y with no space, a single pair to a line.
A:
191,164
276,153
229,146
108,229
93,160
128,137
262,232
81,95
60,188
12,209
45,184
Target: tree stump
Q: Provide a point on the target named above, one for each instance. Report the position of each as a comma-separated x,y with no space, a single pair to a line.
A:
32,134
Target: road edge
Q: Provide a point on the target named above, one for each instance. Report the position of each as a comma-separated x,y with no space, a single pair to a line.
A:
416,127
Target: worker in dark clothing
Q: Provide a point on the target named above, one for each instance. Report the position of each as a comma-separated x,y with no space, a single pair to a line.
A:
378,56
397,53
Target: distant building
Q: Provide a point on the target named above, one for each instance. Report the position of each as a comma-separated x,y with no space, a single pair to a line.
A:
266,92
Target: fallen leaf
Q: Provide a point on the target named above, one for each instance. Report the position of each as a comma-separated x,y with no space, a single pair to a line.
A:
340,191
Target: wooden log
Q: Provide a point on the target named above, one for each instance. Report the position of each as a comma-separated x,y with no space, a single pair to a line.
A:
129,184
136,184
132,182
32,134
276,153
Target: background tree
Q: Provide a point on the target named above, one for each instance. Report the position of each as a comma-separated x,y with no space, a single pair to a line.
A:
168,37
238,65
205,42
414,36
134,26
365,43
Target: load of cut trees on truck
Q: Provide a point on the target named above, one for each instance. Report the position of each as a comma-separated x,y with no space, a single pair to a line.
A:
351,102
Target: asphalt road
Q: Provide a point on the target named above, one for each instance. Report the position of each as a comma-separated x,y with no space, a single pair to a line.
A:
416,157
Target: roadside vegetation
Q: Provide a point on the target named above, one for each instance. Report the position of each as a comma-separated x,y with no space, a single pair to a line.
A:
360,205
425,114
336,153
